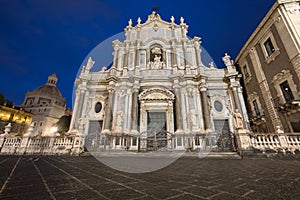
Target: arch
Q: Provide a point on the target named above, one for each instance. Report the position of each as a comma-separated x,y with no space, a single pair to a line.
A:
156,94
159,41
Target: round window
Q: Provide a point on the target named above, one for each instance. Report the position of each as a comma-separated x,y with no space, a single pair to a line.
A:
98,107
218,106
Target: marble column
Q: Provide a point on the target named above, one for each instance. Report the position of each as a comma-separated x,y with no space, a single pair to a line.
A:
174,56
205,109
177,110
107,122
134,113
75,110
198,59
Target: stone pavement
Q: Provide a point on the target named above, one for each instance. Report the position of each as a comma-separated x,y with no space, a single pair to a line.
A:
67,177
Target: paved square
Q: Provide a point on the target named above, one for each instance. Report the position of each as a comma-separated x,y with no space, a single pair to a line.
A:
67,177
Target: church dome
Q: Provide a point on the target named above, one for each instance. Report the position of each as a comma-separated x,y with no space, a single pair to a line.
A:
47,90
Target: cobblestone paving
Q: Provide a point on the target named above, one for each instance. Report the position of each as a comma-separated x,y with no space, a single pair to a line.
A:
54,177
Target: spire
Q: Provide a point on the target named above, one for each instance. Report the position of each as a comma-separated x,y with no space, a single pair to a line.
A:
52,80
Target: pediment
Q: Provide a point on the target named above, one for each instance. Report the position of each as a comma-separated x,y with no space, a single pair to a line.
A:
156,94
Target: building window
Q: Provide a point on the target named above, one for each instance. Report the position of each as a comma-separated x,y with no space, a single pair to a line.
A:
41,123
98,107
117,142
142,59
134,141
179,141
246,73
256,108
286,91
218,106
181,59
169,58
269,47
197,141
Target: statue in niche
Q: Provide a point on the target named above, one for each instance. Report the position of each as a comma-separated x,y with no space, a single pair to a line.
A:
89,106
123,96
192,117
238,119
156,59
191,98
119,120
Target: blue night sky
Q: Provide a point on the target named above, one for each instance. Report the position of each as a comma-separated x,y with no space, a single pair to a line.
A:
38,38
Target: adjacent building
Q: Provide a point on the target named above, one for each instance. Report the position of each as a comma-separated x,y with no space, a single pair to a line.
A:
19,119
46,104
157,94
270,64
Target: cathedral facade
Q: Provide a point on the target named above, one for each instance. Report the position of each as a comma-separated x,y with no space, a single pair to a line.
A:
158,94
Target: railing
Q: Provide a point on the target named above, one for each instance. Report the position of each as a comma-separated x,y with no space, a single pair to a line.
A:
36,145
288,103
277,142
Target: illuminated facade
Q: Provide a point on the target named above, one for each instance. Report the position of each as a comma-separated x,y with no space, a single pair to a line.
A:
19,118
158,94
46,104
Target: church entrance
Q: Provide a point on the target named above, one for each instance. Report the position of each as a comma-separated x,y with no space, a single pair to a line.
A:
156,131
93,138
225,140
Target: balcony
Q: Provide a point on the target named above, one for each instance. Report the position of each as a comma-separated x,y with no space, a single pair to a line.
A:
282,104
257,118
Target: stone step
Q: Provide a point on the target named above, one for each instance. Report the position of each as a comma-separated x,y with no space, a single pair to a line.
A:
225,155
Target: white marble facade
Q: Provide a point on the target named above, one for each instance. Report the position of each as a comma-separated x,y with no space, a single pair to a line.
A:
157,88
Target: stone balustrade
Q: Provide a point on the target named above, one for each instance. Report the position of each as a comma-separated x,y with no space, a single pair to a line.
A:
278,142
36,145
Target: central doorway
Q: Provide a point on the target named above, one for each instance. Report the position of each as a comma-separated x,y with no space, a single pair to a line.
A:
156,131
225,140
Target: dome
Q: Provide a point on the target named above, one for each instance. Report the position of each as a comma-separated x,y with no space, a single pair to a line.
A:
47,90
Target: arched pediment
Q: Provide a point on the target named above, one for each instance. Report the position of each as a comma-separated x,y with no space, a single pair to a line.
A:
158,94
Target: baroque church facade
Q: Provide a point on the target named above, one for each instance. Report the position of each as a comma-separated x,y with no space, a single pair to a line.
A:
158,94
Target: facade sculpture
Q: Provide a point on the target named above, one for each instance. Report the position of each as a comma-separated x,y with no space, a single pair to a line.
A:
157,91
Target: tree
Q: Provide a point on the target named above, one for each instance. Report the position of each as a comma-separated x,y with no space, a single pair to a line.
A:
63,124
1,99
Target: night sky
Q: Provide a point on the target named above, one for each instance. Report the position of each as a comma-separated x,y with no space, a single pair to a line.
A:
38,38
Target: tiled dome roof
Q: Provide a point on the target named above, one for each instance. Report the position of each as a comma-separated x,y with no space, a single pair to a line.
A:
47,90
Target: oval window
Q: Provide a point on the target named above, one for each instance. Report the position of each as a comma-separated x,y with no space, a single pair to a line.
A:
98,107
218,106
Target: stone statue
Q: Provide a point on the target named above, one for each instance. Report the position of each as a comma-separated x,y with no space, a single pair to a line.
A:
81,124
238,119
130,23
90,64
89,106
172,19
226,60
156,64
139,21
122,99
103,69
181,20
192,118
119,120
